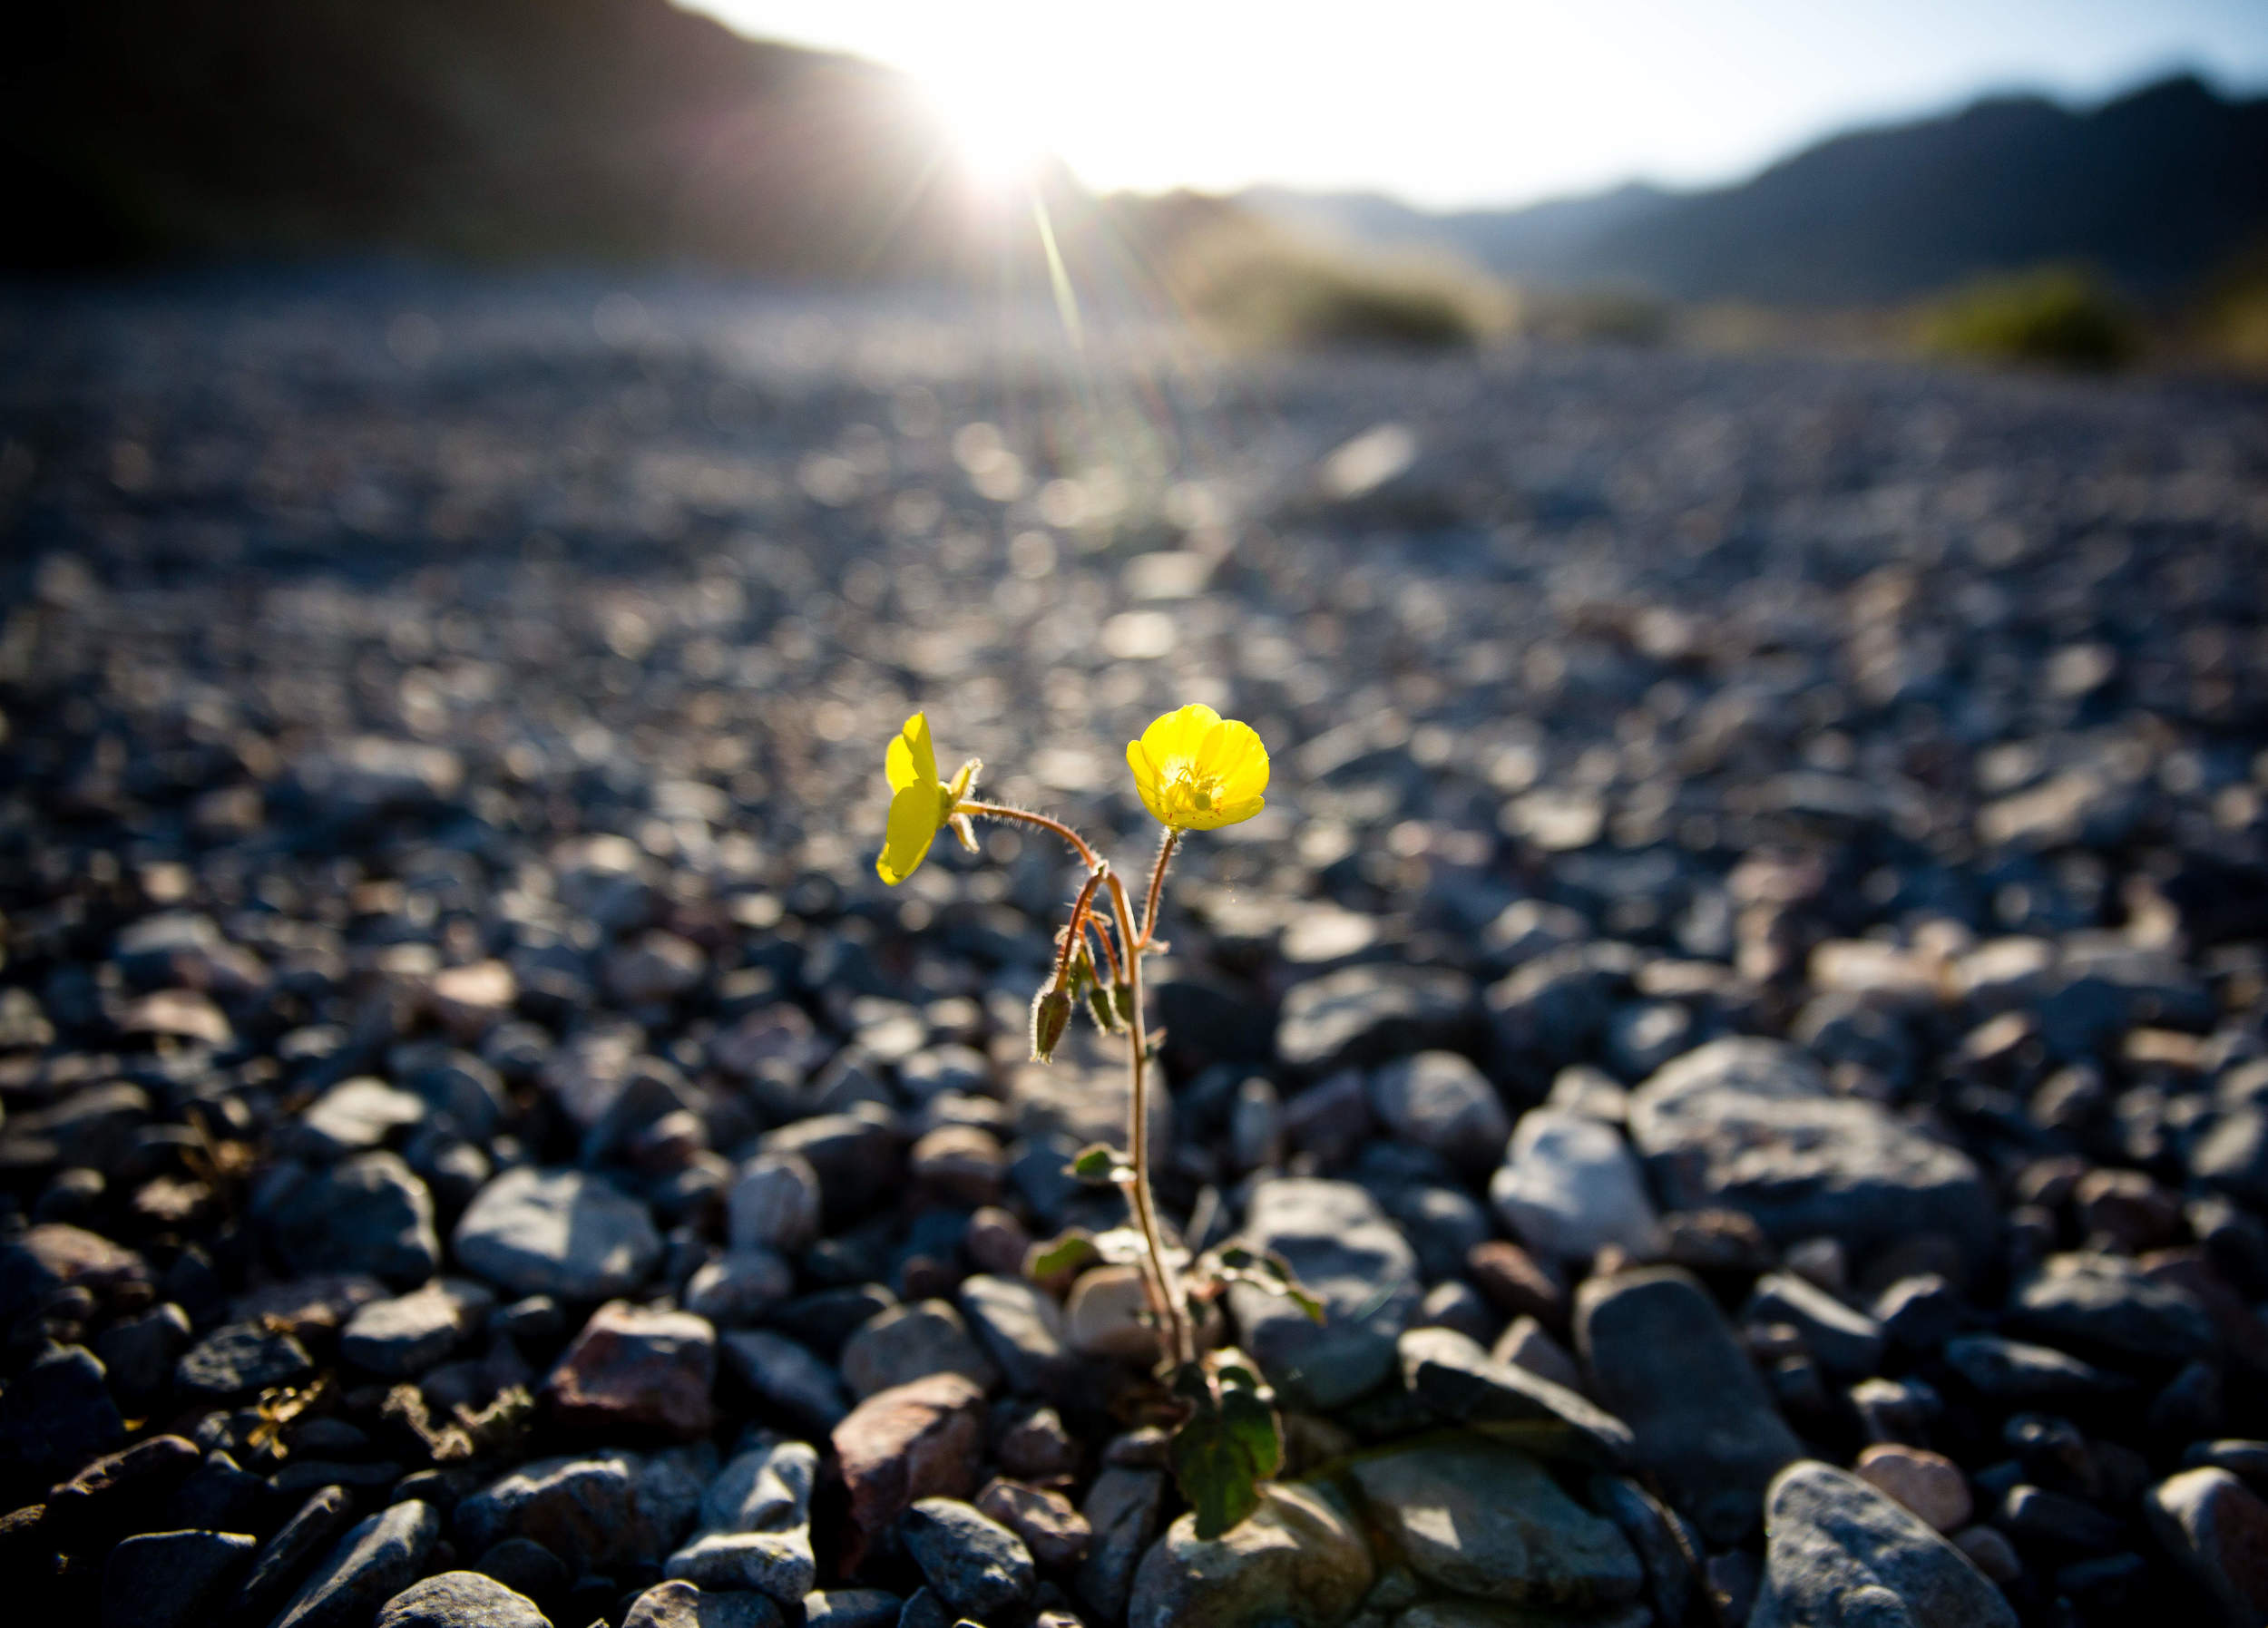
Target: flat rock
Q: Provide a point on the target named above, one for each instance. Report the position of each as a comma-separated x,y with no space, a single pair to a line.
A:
370,1213
1847,1342
171,1579
910,1442
1569,1185
1365,1015
1662,1360
637,1369
755,1529
557,1231
904,1343
409,1333
1439,1100
1350,1256
1023,1328
1483,1520
238,1359
1458,1381
787,1377
1750,1125
595,1512
1838,1552
976,1565
277,1568
2018,1371
459,1600
1298,1560
375,1561
2105,1307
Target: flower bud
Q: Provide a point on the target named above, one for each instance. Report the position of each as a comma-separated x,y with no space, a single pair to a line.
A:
1099,1009
1050,1014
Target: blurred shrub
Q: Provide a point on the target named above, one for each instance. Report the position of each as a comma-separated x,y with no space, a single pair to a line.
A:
1252,283
2230,329
2056,316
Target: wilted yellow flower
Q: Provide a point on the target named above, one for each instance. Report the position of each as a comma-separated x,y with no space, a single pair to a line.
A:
1197,770
921,804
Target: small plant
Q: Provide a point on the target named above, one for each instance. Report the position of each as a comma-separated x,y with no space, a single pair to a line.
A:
1195,770
2056,316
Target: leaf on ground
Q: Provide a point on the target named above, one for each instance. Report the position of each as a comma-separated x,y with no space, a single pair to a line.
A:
1230,1446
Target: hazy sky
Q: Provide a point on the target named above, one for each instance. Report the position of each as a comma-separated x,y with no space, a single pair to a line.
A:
1450,104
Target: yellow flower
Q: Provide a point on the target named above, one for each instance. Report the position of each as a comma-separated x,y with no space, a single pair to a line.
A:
921,804
1197,769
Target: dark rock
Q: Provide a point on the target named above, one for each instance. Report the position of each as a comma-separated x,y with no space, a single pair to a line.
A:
1353,1260
1024,1331
560,1232
138,1352
682,1606
375,1561
2033,1515
1458,1380
1121,1511
1847,1342
239,1358
1668,1553
1751,1124
2105,1307
2015,1371
1661,1359
1839,1552
411,1332
1365,1015
905,1343
2216,1530
220,1495
57,1413
1439,1100
526,1567
978,1566
171,1579
755,1529
121,1492
370,1213
787,1377
284,1558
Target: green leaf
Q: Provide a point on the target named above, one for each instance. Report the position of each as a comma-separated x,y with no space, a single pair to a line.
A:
1097,1165
1230,1444
1068,1252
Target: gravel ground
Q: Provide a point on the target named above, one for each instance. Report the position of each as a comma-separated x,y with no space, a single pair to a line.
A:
1746,1000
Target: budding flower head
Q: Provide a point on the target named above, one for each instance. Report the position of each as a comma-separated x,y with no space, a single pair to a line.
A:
921,804
1197,770
1050,1014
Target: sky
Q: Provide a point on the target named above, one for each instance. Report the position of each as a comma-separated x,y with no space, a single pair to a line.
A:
1485,102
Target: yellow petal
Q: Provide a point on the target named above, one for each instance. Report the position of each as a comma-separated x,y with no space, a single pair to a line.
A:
1179,734
1244,763
1147,781
911,757
914,822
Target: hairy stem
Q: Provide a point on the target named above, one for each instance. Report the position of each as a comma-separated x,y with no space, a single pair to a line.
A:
1001,811
1076,933
1157,883
1165,1285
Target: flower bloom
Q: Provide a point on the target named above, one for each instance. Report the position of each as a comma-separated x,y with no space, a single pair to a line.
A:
921,804
1197,770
